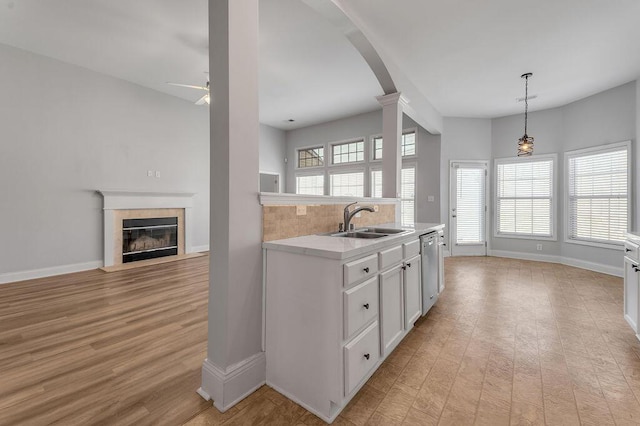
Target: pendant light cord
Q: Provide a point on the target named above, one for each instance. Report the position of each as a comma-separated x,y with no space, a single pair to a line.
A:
526,102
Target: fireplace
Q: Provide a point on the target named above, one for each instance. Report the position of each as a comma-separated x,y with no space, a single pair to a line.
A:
149,238
145,225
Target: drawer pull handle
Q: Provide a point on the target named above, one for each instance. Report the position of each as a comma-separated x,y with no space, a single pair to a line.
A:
366,270
408,265
366,306
404,268
366,356
627,250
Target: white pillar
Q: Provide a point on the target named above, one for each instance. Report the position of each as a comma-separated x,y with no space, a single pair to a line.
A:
235,364
391,135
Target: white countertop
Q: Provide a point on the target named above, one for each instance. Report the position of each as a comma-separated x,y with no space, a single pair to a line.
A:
343,247
633,236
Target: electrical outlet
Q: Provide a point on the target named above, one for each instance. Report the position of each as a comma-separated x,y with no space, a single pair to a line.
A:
158,173
376,207
149,173
431,198
538,246
301,210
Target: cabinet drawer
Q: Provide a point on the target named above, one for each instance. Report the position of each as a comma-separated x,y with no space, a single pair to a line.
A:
360,356
411,248
631,250
360,306
360,269
390,257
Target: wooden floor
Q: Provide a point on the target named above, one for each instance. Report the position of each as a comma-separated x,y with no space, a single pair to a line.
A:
509,342
104,348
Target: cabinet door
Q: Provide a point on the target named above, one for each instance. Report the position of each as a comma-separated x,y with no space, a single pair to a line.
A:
412,292
391,315
631,282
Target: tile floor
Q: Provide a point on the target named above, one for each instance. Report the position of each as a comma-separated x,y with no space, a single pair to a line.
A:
509,342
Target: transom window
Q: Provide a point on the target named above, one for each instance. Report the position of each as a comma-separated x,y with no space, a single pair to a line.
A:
524,197
311,157
348,152
407,145
598,194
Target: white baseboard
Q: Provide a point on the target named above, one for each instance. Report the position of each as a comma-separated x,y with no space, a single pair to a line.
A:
9,277
230,386
583,264
199,249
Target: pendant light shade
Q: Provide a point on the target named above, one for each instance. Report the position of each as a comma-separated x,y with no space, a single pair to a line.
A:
525,143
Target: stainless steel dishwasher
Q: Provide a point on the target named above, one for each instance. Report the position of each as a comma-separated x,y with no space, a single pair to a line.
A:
429,253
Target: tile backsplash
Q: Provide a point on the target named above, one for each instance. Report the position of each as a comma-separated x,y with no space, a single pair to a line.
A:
280,222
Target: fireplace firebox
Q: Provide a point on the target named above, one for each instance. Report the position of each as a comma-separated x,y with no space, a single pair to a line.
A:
149,238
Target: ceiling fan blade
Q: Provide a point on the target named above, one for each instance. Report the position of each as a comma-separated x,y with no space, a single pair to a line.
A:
189,86
202,100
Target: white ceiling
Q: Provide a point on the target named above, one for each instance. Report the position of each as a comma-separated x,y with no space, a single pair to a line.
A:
464,56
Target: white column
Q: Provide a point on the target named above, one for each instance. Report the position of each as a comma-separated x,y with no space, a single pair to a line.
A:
391,135
235,364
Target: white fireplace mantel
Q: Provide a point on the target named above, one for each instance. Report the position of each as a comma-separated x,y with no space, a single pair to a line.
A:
133,200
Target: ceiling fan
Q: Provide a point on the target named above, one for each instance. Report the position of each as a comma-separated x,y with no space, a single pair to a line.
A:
205,99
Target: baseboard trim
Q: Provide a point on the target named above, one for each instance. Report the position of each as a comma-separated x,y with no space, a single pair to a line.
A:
569,261
229,386
199,249
10,277
308,407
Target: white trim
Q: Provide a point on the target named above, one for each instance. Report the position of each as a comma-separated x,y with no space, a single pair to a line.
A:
569,261
229,386
554,195
200,249
598,149
10,277
286,199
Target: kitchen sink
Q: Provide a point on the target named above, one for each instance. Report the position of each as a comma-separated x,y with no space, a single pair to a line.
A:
359,234
367,233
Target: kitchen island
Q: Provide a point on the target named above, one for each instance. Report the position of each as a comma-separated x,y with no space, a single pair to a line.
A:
336,307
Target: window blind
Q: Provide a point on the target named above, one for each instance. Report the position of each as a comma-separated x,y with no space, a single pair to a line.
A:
598,195
524,198
407,195
376,183
347,184
470,205
310,185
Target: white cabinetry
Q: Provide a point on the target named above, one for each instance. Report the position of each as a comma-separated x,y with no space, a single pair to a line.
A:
412,291
631,286
330,323
391,314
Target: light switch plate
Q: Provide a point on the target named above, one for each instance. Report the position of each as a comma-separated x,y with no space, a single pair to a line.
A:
150,173
431,198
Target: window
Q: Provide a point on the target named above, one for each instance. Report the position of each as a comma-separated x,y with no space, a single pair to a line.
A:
347,184
310,184
407,195
376,183
524,197
377,148
597,194
407,145
348,152
311,157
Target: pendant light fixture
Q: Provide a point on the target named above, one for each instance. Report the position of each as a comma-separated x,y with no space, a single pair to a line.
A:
525,143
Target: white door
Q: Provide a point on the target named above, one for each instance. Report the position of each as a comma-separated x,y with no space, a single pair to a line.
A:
468,208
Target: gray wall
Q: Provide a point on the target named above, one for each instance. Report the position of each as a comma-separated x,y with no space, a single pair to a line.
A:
367,125
67,131
603,118
273,150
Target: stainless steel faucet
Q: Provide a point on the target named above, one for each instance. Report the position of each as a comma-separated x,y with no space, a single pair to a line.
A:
348,215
